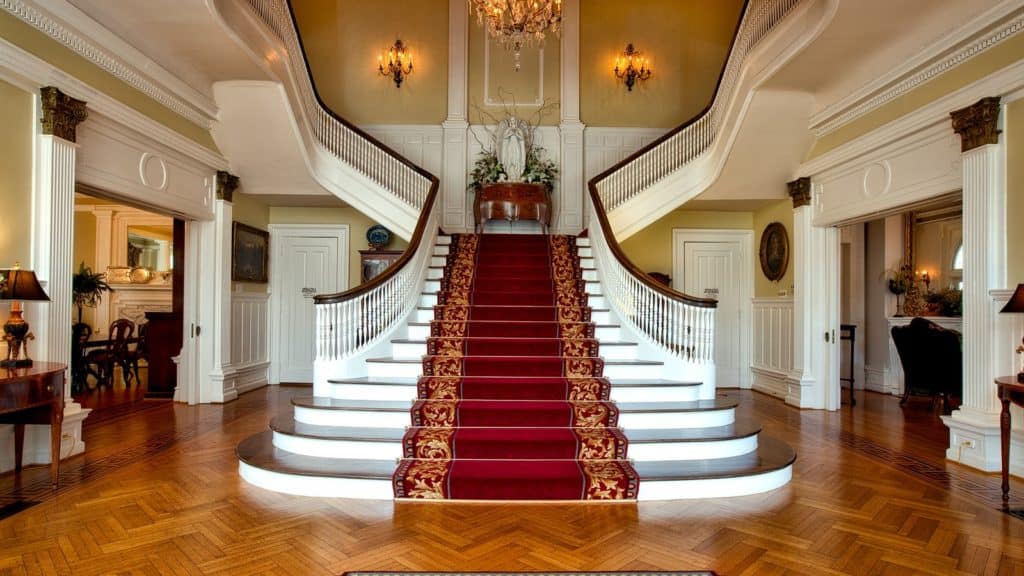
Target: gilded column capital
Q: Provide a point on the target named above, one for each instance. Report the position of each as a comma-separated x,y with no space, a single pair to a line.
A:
61,113
800,191
226,185
976,124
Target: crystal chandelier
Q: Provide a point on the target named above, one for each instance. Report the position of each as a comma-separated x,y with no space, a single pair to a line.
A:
518,23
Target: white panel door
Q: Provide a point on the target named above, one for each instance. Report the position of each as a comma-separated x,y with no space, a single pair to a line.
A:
713,270
308,266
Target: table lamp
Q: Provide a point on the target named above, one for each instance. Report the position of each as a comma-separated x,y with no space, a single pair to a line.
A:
18,285
1016,304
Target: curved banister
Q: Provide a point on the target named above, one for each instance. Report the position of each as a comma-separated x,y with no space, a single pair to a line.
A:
684,144
683,325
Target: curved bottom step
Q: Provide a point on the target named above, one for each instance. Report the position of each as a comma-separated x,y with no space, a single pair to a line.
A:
264,465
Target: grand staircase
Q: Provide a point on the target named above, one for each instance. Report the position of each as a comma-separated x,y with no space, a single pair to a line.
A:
514,381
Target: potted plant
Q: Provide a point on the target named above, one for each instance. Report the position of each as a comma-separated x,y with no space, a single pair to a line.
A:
87,288
488,169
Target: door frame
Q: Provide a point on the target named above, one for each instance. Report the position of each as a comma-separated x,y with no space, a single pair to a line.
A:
745,239
277,233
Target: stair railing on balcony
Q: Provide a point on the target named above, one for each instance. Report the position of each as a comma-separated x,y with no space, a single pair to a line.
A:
681,146
351,322
338,136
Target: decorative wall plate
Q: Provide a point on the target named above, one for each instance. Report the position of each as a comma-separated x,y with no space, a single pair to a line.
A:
378,236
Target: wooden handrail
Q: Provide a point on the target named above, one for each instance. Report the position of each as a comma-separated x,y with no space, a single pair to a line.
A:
602,215
707,108
428,204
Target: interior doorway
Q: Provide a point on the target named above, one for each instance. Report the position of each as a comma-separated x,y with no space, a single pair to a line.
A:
717,264
126,303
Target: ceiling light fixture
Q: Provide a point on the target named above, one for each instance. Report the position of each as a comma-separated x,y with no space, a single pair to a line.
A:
518,23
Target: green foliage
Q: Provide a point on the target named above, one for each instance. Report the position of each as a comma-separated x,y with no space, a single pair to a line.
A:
87,288
948,301
488,170
901,279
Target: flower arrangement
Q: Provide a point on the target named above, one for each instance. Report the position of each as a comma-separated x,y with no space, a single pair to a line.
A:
488,170
901,279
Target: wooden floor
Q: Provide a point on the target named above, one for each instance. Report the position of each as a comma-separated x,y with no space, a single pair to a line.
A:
158,492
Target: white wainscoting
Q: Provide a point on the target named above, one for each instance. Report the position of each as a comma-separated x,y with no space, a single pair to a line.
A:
250,358
420,143
604,147
772,354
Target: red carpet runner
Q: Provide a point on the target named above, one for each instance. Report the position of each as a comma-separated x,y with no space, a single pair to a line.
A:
512,403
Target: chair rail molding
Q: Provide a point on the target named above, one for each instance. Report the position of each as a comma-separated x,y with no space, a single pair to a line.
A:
772,345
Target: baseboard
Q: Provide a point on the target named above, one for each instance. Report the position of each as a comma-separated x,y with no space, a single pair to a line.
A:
875,379
771,382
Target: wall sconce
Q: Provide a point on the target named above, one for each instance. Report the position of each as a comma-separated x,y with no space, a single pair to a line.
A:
396,63
631,68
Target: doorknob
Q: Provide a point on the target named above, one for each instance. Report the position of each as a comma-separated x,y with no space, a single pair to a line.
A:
826,335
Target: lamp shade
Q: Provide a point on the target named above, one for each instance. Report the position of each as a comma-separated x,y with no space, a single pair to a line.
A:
1016,303
21,285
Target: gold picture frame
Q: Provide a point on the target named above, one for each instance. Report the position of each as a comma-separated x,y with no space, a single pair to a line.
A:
250,253
774,253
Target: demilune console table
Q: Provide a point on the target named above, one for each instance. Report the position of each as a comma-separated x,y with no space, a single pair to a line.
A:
34,395
513,201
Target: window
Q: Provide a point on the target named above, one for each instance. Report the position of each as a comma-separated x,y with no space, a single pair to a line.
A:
958,265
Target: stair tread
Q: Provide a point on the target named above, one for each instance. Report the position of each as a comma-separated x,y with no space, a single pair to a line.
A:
411,380
325,403
286,424
771,455
259,451
512,338
741,428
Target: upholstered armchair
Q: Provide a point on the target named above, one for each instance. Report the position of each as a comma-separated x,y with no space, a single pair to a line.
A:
932,360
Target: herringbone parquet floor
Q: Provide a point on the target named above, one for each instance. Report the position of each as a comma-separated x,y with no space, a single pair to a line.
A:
158,493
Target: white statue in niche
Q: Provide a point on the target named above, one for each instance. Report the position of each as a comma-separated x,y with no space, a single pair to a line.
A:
513,143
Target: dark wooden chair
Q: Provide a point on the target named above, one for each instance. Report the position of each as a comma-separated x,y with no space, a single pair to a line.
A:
102,362
80,334
141,352
932,360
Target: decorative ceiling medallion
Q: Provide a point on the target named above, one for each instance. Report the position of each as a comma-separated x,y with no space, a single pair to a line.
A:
518,23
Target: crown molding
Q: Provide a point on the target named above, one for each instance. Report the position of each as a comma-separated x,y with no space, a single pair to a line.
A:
30,72
75,30
986,31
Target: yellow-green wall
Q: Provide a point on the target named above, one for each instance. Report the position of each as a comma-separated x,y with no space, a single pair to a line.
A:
782,212
357,225
651,248
997,58
687,43
505,84
38,44
343,39
249,210
17,127
1014,133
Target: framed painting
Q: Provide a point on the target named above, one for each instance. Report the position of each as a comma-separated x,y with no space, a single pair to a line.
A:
250,253
774,251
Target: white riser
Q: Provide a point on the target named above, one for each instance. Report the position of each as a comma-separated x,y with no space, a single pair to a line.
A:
325,448
692,450
583,241
662,420
713,487
590,275
394,369
434,273
432,286
443,240
606,334
348,391
438,261
428,299
655,393
597,301
593,288
442,250
596,317
585,252
417,350
316,486
641,371
358,488
354,418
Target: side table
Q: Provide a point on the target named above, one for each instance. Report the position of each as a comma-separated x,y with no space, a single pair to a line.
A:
34,395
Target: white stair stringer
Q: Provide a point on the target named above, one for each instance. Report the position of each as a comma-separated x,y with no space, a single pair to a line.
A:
787,39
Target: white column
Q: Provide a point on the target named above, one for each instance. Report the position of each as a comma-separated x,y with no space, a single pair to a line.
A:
813,382
571,186
456,126
221,378
974,427
52,246
101,318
